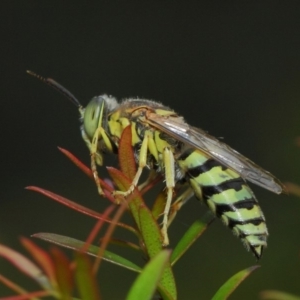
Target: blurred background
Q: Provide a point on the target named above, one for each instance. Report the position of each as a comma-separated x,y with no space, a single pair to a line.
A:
229,67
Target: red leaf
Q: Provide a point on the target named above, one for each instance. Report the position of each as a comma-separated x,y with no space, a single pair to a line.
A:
86,281
63,273
84,168
42,258
126,155
75,206
25,266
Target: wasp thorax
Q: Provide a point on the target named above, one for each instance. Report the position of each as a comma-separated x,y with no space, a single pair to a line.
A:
96,113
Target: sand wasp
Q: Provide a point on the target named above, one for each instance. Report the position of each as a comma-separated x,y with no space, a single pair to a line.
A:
184,155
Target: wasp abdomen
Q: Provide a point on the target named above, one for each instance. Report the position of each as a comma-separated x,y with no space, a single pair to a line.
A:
228,196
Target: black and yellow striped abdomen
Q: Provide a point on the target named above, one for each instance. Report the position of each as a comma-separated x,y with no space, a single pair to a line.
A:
228,196
220,188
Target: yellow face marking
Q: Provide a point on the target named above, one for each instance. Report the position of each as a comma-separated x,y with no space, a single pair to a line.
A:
106,139
114,125
115,116
124,122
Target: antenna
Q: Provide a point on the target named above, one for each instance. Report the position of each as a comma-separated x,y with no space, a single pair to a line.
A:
55,85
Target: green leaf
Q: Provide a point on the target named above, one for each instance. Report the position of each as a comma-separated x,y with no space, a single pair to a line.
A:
86,282
190,236
63,273
149,229
92,250
277,295
146,283
123,243
232,283
159,204
153,241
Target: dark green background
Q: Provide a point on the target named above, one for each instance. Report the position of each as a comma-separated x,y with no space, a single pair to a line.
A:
229,67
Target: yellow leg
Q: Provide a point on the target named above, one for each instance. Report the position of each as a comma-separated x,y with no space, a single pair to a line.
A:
168,159
96,157
87,141
94,151
95,173
142,163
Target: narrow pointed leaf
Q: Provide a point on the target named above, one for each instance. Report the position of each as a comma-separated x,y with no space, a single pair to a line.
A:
124,243
126,155
65,201
63,273
77,162
159,204
85,278
13,286
190,236
92,250
153,240
25,266
232,283
150,231
146,283
97,227
277,295
75,206
84,168
42,258
108,233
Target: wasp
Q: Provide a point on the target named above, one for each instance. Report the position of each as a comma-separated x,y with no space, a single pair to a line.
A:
185,155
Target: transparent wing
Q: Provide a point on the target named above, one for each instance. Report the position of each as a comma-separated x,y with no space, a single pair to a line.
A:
199,139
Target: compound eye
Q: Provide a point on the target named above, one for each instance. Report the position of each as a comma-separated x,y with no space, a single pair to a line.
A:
91,116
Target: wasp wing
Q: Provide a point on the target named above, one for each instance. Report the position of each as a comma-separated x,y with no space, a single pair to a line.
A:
199,139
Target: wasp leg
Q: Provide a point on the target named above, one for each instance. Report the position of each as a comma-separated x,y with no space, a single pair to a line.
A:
169,164
181,200
96,157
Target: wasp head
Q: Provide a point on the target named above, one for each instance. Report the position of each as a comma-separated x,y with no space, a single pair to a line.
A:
96,113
